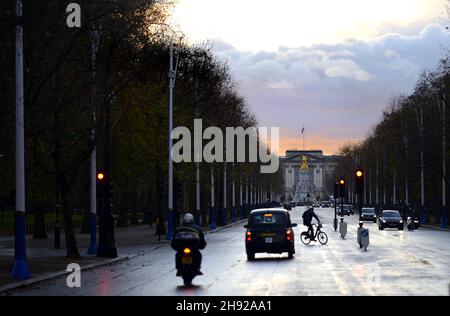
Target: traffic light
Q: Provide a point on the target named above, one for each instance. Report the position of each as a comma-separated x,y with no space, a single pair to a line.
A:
341,187
101,181
359,180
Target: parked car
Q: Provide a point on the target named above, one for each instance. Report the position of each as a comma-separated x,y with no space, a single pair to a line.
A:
368,214
390,219
269,231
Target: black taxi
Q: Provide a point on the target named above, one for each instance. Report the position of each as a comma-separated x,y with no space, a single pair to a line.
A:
269,231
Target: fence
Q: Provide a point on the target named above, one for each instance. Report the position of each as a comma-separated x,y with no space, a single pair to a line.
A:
50,226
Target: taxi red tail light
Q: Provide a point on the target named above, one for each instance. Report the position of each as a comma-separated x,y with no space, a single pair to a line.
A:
248,236
289,235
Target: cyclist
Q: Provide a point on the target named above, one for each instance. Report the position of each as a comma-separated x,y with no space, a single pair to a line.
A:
307,221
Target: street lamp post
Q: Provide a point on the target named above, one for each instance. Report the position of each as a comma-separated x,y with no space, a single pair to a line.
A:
241,205
212,212
197,193
225,214
377,194
171,75
405,142
233,196
422,175
444,184
20,267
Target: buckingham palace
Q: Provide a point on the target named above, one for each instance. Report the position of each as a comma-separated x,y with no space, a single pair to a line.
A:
305,174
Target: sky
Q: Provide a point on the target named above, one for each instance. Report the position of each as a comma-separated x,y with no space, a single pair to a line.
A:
330,66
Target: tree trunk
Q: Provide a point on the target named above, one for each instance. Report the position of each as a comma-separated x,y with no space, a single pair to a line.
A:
69,233
161,227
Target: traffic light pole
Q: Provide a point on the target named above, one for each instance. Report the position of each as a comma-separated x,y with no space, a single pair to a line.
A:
94,39
335,215
336,194
107,243
360,205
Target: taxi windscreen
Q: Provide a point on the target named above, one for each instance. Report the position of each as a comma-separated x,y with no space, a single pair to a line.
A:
267,219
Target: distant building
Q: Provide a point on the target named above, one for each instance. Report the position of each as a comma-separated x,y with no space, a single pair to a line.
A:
305,174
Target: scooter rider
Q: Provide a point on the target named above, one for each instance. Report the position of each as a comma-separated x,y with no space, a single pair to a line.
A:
307,221
188,225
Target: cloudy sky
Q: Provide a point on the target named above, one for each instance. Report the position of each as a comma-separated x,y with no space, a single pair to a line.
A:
328,65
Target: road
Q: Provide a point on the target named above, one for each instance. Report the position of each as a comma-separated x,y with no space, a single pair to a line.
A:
396,263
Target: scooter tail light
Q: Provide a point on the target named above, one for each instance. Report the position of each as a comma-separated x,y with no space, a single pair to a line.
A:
187,251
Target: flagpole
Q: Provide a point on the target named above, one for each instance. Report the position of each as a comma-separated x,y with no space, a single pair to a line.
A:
303,132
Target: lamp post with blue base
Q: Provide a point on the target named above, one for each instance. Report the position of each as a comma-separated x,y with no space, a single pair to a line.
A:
20,267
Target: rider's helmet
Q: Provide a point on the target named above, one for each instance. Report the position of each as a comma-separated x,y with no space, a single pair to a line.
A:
188,218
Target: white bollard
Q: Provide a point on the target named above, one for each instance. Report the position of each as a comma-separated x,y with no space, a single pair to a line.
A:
343,228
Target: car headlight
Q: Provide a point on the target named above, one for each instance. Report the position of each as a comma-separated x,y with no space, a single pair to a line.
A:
401,221
384,221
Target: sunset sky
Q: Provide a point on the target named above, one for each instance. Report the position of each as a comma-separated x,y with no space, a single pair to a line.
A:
328,65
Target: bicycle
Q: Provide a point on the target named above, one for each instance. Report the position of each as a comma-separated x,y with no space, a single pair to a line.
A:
322,237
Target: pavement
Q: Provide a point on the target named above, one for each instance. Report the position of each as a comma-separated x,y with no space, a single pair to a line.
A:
46,263
395,263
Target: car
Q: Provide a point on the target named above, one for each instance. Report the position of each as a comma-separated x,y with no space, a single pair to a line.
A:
326,204
390,219
347,210
368,214
316,204
269,231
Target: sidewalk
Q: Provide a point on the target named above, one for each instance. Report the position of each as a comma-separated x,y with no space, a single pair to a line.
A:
46,263
437,226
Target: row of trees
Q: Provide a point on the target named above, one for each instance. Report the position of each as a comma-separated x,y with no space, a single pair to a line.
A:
405,155
115,66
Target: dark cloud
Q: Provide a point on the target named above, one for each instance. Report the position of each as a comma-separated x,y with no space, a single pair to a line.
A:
333,88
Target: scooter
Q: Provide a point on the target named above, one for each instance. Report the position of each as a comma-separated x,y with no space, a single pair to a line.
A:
188,265
188,257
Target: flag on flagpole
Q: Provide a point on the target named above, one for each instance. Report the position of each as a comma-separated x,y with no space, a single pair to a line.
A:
303,129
